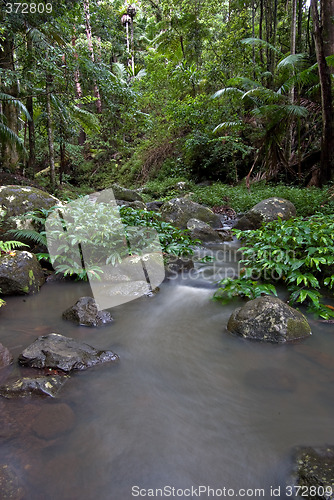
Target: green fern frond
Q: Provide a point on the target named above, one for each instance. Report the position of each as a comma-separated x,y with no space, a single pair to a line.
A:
30,235
8,246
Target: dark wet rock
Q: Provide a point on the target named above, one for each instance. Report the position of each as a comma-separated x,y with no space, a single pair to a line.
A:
122,193
85,312
202,231
5,357
18,200
10,487
53,420
154,206
20,273
270,379
175,265
268,319
33,386
59,352
180,210
315,467
266,211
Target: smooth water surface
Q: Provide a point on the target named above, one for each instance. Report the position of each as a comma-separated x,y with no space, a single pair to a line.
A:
187,405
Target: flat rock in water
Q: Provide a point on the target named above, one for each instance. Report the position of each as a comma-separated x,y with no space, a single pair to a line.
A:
86,313
29,386
314,467
5,356
59,352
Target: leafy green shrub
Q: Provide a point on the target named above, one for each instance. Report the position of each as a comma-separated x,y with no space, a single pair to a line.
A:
98,229
298,252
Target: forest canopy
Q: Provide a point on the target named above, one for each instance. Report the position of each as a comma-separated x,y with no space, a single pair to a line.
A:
99,91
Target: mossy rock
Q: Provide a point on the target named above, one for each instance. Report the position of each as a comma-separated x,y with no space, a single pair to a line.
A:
268,319
20,273
18,200
180,210
266,211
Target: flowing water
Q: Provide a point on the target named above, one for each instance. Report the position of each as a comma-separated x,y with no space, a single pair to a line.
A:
188,405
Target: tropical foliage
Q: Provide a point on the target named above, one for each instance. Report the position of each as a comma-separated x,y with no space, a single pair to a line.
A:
298,252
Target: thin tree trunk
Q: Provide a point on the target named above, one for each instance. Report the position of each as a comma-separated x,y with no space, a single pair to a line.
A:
9,154
82,135
48,82
91,50
327,142
261,29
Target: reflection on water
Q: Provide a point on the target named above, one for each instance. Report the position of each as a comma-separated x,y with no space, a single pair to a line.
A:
187,405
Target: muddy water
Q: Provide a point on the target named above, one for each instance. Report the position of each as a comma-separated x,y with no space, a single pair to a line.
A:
188,405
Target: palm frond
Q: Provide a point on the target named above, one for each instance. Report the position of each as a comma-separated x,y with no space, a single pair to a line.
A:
293,61
8,136
228,125
16,102
262,43
227,90
264,95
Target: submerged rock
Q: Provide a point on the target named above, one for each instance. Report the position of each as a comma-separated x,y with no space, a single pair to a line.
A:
268,319
266,211
53,420
20,273
10,486
314,467
180,210
85,312
59,352
5,357
48,385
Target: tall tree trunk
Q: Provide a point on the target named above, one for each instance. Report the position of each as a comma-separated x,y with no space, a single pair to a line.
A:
327,21
299,45
9,154
91,50
82,135
31,126
48,83
261,29
327,139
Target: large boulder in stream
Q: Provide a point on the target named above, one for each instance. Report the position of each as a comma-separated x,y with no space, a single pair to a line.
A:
266,211
18,200
85,312
314,472
58,352
180,210
206,234
269,319
20,273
